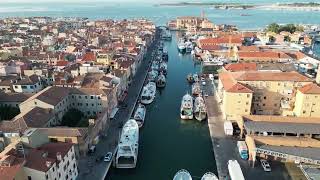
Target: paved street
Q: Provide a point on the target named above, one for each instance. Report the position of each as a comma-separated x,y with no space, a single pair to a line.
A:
225,147
88,167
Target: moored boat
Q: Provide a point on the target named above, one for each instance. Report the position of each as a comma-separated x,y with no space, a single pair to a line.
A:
186,108
196,89
209,176
200,110
163,67
161,81
153,75
127,153
148,93
140,115
190,78
189,47
181,46
182,175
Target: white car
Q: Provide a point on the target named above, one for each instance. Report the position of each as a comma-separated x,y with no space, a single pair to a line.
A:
107,157
265,165
203,83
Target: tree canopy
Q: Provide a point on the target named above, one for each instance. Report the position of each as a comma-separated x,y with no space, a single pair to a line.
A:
276,28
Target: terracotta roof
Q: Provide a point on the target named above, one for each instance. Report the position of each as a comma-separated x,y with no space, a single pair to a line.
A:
230,85
53,95
9,173
264,54
62,63
241,67
65,131
38,161
54,148
239,88
310,89
269,76
221,40
89,56
249,48
14,97
211,47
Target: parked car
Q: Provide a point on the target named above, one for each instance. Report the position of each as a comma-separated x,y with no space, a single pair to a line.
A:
203,83
265,165
108,157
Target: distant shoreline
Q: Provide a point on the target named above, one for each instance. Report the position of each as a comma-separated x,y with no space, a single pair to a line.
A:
311,6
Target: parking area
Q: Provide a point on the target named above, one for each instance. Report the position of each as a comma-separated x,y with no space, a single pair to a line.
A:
225,147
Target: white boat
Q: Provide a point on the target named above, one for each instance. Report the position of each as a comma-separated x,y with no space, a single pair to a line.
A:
155,65
189,47
196,89
161,81
148,93
186,109
165,56
163,67
153,75
140,115
182,175
200,110
209,176
127,153
181,46
195,77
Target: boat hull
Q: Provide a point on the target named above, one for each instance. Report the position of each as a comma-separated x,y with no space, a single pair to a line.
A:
186,117
200,116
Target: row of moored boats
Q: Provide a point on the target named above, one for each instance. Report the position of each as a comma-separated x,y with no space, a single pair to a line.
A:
127,151
185,175
193,106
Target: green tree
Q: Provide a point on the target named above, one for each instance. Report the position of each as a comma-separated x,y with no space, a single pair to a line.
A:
72,118
8,112
273,27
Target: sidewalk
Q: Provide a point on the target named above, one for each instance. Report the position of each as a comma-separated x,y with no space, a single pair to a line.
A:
88,167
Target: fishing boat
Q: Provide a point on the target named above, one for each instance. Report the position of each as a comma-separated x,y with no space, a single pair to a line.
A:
189,47
148,93
127,153
161,81
155,65
209,176
181,46
161,46
195,77
196,89
182,175
186,109
200,110
165,56
153,75
163,67
140,115
190,78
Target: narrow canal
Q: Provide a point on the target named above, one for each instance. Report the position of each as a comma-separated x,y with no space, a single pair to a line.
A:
167,143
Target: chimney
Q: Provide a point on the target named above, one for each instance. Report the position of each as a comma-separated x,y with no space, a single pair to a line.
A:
59,157
48,164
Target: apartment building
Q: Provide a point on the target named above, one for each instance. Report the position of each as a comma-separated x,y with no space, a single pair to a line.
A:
266,93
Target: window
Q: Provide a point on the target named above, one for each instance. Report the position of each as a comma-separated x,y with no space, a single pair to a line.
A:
92,104
265,97
86,97
263,104
16,87
24,87
303,112
31,87
47,176
99,97
87,104
239,101
29,178
248,95
247,103
53,169
275,105
68,140
79,97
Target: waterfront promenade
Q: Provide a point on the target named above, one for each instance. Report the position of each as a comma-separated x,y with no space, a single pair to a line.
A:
91,169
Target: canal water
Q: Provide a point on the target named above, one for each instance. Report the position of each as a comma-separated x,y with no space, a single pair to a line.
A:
168,144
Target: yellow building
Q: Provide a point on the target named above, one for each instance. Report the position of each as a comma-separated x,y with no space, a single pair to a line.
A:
267,93
105,58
